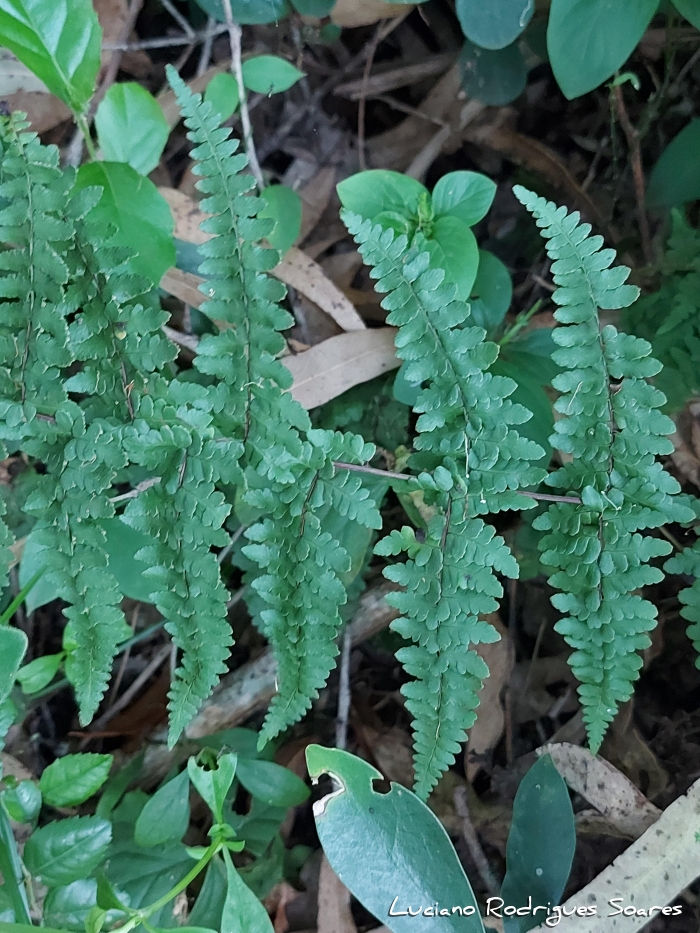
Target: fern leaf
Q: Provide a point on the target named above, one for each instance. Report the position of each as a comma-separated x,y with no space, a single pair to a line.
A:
613,431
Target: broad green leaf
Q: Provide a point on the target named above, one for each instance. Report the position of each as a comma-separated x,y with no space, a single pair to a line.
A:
247,12
313,7
244,742
494,25
269,74
390,850
589,40
116,786
404,391
493,77
222,93
11,869
59,40
8,714
266,871
40,672
690,9
392,220
210,901
284,207
73,779
32,560
675,178
464,195
13,645
166,816
67,850
492,292
23,801
243,912
370,193
212,784
259,826
68,906
271,783
143,876
133,205
131,127
541,844
121,545
453,248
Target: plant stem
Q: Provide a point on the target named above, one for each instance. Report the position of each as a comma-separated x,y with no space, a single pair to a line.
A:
186,881
85,130
235,34
520,322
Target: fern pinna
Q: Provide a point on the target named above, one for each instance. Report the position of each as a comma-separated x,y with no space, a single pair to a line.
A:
478,462
613,430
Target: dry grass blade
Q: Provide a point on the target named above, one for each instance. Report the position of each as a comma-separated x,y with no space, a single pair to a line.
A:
351,13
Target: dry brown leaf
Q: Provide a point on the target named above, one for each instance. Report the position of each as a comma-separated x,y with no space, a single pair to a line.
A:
315,196
393,753
604,787
113,16
25,92
168,103
651,872
625,748
351,13
183,285
334,914
336,365
486,732
686,440
296,268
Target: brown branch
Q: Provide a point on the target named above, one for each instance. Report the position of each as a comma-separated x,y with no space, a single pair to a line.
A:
635,151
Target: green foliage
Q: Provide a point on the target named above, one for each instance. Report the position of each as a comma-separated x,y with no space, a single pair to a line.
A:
247,12
269,74
284,207
690,9
669,317
59,40
131,127
675,178
13,645
390,849
166,815
494,76
496,25
223,94
612,428
71,780
465,435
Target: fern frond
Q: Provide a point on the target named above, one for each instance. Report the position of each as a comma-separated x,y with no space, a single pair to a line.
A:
613,430
688,563
467,437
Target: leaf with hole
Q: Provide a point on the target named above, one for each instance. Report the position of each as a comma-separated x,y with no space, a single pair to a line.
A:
222,93
59,40
494,25
141,215
13,645
589,40
166,816
73,779
269,74
67,850
541,844
131,127
212,784
284,207
675,179
464,195
389,849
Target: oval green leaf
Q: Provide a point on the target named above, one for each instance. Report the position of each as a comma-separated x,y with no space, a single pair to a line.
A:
390,850
67,850
495,77
370,193
131,127
464,195
222,93
13,645
690,9
39,673
453,248
23,801
284,207
212,784
318,8
675,178
494,25
588,40
243,912
133,205
541,844
71,780
269,74
271,783
247,12
59,40
491,293
166,816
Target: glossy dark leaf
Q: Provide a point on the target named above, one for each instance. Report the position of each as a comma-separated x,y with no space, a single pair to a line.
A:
166,816
493,77
67,850
494,25
13,645
675,178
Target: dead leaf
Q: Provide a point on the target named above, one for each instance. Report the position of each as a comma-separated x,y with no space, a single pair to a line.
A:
652,871
604,787
625,748
315,196
296,269
276,902
113,16
351,13
486,732
183,285
23,91
334,914
393,753
336,365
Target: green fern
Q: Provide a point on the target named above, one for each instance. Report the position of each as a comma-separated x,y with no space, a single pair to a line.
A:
612,429
466,436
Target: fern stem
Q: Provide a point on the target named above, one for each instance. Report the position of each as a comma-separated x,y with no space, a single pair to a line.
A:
235,34
85,130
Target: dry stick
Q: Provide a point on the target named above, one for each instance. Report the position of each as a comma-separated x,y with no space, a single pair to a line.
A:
182,22
205,56
372,51
235,35
341,722
167,42
472,840
632,137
